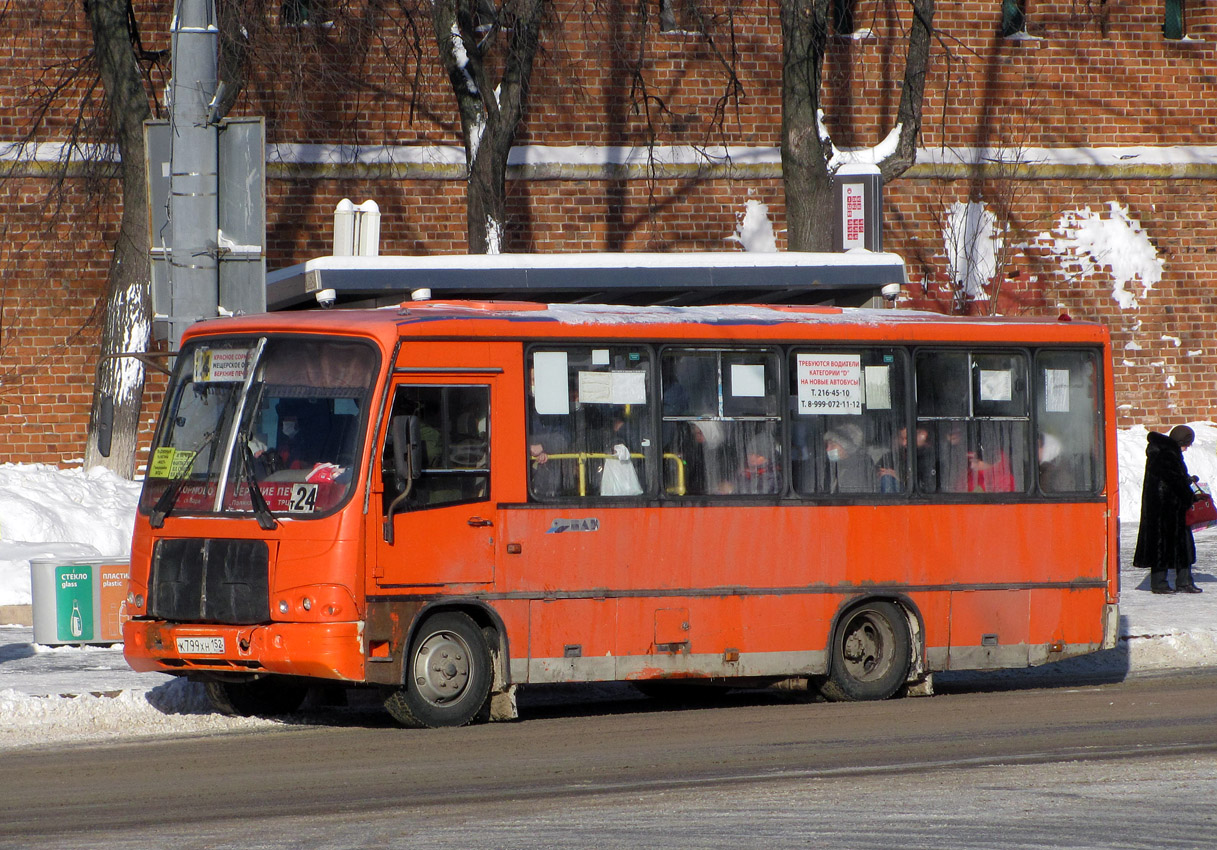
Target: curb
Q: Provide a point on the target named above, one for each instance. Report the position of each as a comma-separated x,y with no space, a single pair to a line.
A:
17,615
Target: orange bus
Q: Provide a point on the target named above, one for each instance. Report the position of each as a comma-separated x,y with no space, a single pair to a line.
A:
448,500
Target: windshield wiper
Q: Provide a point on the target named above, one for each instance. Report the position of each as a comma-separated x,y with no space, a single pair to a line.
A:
266,519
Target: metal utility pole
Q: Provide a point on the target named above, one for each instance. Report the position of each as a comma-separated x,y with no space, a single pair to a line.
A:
193,167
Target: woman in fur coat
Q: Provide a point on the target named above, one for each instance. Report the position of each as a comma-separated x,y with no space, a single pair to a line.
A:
1164,542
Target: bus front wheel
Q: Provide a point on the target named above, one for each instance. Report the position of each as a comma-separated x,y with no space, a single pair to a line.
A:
263,697
870,654
447,677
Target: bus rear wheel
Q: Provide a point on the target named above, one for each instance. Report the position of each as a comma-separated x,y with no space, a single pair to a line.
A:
447,676
870,654
263,697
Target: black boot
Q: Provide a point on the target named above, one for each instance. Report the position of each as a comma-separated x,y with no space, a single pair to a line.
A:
1158,582
1184,583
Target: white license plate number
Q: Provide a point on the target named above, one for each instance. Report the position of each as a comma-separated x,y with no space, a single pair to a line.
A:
200,645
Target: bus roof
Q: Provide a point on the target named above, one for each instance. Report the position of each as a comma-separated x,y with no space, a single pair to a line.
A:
527,320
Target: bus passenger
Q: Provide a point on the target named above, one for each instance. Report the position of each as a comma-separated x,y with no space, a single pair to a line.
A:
891,466
1057,473
759,472
849,470
989,469
548,477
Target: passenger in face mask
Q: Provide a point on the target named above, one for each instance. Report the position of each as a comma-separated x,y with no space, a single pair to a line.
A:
849,469
301,434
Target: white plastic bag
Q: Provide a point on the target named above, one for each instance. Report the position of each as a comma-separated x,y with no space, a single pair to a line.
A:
618,477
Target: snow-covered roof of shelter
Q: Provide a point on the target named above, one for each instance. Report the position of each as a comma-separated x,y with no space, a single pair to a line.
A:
851,277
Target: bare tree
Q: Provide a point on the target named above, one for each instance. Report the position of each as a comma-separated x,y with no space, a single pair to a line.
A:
126,324
106,94
807,150
472,38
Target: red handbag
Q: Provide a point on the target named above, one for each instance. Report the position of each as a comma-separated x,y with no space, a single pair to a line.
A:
1202,513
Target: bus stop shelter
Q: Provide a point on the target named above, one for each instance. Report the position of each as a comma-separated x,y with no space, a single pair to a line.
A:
852,278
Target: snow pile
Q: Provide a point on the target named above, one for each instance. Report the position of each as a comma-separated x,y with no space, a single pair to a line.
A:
1088,242
1201,460
754,230
972,243
173,708
46,512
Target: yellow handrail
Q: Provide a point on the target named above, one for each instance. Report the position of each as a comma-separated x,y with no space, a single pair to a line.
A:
584,457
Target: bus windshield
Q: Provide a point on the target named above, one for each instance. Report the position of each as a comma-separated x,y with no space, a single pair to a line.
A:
264,425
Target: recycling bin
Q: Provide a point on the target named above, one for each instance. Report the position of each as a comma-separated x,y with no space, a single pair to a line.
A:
79,601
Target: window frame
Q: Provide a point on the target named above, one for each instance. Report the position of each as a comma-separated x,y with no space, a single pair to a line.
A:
1013,18
652,454
912,493
485,472
906,419
774,352
972,421
1174,20
1099,449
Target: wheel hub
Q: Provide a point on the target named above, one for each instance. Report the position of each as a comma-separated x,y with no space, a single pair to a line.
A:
863,649
441,668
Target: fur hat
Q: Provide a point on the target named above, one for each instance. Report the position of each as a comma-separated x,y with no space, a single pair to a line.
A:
1183,435
848,436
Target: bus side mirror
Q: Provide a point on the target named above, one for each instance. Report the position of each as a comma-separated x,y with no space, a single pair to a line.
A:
407,447
105,425
407,463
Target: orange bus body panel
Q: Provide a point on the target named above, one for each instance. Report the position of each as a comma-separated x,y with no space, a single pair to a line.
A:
653,589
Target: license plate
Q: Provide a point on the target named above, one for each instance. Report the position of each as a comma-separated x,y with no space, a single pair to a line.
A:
200,645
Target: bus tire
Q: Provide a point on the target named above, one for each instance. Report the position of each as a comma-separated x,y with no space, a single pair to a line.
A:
265,697
448,675
870,654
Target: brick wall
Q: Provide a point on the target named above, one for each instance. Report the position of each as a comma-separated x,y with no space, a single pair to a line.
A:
1091,75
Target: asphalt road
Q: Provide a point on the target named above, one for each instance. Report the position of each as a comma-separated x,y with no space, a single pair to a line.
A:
1127,764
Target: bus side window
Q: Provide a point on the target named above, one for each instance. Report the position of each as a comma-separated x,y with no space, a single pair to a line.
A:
454,431
1069,441
721,422
589,422
974,409
848,429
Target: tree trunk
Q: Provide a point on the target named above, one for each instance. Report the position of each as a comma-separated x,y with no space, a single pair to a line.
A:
916,67
489,114
806,153
127,317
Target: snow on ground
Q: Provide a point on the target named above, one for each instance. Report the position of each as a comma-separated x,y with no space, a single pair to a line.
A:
53,695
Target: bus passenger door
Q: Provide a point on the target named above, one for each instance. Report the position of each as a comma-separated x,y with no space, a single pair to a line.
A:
442,526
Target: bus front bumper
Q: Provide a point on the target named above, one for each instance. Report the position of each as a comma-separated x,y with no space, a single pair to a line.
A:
315,650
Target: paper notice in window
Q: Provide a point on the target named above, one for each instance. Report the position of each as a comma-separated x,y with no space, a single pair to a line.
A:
829,383
878,388
168,462
748,380
550,389
219,365
1056,390
629,387
612,387
995,385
